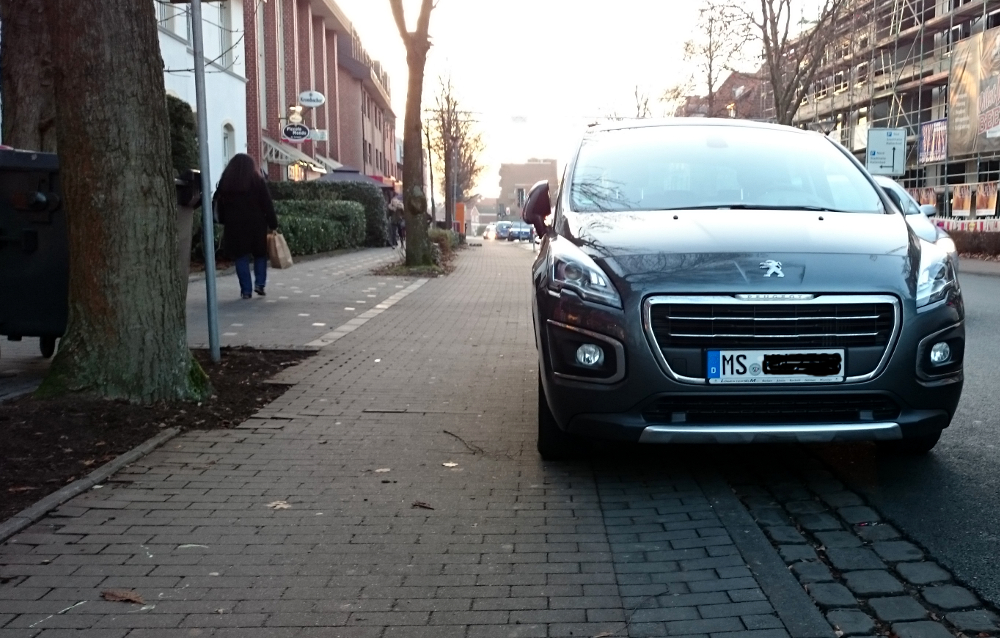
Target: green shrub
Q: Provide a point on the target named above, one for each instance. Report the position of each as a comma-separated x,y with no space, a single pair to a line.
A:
311,235
183,135
196,234
976,242
368,195
350,216
446,240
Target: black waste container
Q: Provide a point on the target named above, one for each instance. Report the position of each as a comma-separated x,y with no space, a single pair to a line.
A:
34,251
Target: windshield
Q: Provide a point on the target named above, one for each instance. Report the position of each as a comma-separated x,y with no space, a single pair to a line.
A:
684,167
909,204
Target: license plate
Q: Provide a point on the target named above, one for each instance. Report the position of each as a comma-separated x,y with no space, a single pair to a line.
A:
775,366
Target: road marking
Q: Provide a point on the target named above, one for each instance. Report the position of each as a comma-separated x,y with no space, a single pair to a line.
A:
364,317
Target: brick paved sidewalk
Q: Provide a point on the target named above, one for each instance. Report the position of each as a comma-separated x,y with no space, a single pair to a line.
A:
395,491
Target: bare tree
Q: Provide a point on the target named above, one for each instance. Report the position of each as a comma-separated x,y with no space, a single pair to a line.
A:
642,110
458,146
793,49
417,45
126,334
720,38
26,75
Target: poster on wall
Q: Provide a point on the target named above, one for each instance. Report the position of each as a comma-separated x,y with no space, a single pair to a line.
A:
961,200
933,145
974,95
928,196
986,199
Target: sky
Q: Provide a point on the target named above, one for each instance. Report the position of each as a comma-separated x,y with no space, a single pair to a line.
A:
535,72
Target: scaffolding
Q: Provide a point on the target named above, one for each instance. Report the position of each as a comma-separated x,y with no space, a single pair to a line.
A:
889,67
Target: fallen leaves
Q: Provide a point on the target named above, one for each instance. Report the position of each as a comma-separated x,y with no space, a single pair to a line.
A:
122,596
383,470
421,505
15,490
279,505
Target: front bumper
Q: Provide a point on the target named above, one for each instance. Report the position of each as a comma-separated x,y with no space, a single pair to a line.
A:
621,409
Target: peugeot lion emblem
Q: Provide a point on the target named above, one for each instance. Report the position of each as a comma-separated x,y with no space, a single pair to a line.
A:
772,267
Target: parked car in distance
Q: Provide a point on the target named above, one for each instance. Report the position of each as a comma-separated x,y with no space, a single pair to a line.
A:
519,231
917,216
490,232
724,281
502,229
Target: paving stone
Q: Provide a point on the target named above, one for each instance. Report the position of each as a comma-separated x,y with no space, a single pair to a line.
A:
853,558
978,620
897,608
805,507
838,539
851,621
898,551
950,597
762,621
770,516
795,553
880,532
859,514
832,595
819,522
922,629
872,582
841,499
785,534
812,572
922,573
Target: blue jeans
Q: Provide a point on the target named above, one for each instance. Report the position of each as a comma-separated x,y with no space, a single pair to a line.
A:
243,273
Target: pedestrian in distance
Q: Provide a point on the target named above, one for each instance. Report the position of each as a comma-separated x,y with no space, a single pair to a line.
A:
243,205
402,231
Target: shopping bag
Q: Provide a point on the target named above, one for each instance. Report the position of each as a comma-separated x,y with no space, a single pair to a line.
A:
277,251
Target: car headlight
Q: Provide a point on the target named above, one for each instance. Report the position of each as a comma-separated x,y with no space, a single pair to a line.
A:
947,244
570,267
937,274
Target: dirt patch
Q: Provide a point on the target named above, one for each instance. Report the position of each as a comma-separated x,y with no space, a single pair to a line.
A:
49,443
400,269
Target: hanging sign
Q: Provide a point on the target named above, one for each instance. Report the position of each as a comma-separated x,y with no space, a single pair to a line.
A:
295,133
311,99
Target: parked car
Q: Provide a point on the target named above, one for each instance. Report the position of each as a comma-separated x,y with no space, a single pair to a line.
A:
917,216
519,231
713,281
502,229
490,232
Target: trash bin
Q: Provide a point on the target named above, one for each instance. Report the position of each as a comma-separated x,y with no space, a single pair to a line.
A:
188,186
34,250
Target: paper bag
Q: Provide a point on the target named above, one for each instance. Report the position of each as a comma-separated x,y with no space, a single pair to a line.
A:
277,251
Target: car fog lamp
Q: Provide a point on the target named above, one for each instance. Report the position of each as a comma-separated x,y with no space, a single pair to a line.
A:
589,355
940,353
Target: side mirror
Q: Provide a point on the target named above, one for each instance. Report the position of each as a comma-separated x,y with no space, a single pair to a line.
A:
537,207
929,210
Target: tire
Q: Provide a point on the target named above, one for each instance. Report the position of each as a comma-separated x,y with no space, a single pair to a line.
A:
914,445
553,443
47,346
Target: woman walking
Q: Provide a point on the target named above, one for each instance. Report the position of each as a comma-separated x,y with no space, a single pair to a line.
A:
245,209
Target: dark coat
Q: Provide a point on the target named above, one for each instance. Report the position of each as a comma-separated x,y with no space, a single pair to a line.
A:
247,217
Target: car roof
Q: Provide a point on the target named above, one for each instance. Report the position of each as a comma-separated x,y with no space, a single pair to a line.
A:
695,122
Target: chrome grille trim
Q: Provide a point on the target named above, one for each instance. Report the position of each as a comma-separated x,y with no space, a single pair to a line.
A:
647,325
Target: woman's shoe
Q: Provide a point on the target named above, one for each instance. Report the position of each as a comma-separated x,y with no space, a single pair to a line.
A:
259,290
242,296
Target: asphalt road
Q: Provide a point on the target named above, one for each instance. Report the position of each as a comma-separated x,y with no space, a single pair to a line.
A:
949,501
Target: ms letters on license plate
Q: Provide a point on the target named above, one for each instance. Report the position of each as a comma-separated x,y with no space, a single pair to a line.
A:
775,366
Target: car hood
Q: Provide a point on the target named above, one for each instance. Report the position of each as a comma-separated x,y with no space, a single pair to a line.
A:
724,250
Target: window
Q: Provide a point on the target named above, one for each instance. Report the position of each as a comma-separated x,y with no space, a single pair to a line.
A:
225,34
228,142
165,13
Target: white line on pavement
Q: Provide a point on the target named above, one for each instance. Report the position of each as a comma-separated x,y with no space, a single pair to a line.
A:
364,317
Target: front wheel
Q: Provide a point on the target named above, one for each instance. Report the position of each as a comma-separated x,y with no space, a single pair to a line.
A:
553,443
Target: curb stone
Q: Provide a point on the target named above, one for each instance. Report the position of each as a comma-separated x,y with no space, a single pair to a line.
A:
32,514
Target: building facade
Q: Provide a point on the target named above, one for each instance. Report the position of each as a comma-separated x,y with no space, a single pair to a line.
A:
294,46
517,179
918,65
739,96
225,72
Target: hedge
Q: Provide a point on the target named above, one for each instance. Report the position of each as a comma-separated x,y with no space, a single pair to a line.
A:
446,240
368,195
349,218
311,235
976,242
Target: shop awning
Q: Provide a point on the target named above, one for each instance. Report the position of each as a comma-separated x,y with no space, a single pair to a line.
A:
284,154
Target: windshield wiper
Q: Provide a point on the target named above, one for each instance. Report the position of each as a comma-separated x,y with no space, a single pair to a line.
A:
821,209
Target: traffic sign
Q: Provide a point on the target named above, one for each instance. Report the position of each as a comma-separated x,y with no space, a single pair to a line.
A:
295,133
886,154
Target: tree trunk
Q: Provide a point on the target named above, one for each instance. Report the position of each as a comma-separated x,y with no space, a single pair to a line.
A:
26,76
126,334
414,197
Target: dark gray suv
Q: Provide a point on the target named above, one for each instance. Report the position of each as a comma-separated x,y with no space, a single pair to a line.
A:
733,282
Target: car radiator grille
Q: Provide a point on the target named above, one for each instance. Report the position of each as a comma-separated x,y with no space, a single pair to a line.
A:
772,409
787,326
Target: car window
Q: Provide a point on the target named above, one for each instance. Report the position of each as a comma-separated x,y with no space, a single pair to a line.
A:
910,204
676,167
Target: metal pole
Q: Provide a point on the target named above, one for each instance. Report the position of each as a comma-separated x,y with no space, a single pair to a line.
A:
208,230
